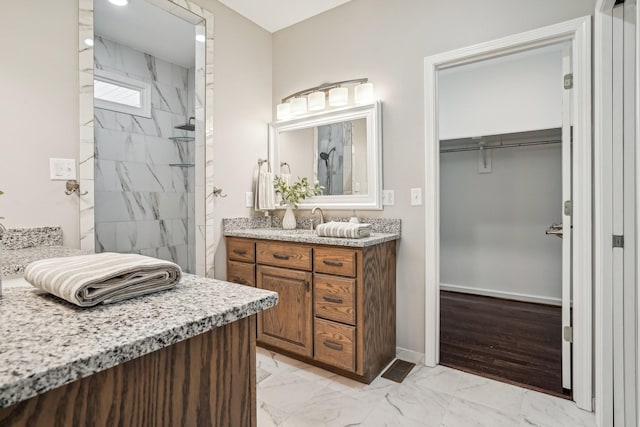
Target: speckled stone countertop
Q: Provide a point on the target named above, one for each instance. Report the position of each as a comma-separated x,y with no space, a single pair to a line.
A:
309,236
14,261
46,342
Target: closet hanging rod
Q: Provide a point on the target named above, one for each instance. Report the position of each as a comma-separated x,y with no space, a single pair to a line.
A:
493,147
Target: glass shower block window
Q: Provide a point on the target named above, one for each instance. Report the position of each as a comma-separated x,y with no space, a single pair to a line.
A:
116,92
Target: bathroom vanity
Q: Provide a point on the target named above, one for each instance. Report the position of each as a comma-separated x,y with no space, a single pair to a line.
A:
337,296
185,357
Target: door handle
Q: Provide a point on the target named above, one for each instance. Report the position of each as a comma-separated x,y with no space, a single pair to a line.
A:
554,230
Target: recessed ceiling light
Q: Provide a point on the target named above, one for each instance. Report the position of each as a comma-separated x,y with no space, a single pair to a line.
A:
119,2
201,38
88,42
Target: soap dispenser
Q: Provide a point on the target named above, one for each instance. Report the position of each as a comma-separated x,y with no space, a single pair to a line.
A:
354,219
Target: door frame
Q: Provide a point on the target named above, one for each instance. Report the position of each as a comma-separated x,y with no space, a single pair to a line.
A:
578,33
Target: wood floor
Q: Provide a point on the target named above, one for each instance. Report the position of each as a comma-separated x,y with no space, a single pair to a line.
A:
515,342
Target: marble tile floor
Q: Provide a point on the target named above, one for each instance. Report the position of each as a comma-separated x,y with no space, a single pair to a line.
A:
295,394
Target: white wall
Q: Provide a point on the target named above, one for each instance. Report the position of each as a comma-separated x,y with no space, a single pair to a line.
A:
39,109
492,225
516,93
387,41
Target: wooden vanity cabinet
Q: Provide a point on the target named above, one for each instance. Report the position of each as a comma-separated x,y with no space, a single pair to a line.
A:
336,304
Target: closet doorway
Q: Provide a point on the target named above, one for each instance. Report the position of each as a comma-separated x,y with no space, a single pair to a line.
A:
508,165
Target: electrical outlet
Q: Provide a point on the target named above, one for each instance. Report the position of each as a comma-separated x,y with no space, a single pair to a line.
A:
416,197
248,199
388,197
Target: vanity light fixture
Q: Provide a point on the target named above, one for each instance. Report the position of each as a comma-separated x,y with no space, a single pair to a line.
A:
315,98
119,2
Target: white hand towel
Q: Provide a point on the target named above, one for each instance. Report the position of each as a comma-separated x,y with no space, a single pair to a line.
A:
87,280
266,192
344,230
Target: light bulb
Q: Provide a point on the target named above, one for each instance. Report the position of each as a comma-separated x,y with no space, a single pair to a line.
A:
298,105
316,101
363,93
338,96
283,110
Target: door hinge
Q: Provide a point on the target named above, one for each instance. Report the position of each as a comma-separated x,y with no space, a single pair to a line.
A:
568,81
567,333
618,241
568,207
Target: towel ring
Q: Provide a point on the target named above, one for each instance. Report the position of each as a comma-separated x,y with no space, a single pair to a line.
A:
283,164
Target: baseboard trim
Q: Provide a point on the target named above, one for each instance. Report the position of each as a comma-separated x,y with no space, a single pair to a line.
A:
410,355
500,294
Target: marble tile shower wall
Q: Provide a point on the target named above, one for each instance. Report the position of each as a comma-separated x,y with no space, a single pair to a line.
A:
142,204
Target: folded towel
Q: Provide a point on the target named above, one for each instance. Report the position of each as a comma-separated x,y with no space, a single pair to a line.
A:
344,229
265,193
87,280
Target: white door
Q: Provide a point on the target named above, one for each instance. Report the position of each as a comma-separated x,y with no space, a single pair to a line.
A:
566,333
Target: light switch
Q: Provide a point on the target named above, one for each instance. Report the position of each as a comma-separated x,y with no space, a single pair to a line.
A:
62,169
416,197
388,197
248,199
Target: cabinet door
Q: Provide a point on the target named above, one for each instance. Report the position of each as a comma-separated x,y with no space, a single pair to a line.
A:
288,325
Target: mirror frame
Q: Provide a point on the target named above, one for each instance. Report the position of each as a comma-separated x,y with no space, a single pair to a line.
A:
203,19
373,114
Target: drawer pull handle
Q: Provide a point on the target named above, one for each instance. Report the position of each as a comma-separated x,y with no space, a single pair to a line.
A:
240,281
306,285
280,256
240,251
332,262
333,345
333,300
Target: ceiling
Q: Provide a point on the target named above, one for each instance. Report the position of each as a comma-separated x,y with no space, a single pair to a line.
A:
149,29
274,15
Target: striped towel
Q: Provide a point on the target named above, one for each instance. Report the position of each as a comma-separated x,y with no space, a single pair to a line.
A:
87,280
344,229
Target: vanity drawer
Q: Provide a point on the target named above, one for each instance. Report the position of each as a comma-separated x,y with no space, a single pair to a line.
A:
334,298
241,272
335,261
334,344
240,249
284,255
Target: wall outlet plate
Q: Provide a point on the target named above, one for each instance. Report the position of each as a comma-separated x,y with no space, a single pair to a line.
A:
62,169
248,199
388,197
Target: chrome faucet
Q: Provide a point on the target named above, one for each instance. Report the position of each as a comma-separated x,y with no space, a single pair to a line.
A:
313,211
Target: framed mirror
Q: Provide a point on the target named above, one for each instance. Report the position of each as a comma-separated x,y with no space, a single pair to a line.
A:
339,149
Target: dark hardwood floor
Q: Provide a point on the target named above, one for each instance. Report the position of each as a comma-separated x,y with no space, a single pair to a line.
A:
511,341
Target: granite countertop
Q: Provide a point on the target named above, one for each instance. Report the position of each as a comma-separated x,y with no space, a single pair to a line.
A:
14,261
309,236
46,342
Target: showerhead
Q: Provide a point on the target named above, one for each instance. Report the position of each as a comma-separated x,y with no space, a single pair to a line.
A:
187,126
325,156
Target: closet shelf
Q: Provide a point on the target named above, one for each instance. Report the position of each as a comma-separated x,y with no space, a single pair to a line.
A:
182,138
